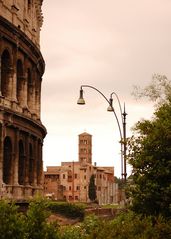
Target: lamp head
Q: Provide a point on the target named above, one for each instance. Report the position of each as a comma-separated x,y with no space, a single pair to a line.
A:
81,100
110,107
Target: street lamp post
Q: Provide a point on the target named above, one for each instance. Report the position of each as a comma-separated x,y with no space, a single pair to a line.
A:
122,132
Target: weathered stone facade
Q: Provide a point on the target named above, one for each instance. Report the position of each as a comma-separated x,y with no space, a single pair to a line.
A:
21,70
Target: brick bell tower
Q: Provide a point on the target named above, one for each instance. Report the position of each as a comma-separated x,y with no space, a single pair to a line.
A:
85,148
21,70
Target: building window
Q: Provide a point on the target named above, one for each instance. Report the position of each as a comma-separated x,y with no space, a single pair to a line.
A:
85,187
70,188
84,176
99,188
76,197
70,198
63,176
75,175
78,188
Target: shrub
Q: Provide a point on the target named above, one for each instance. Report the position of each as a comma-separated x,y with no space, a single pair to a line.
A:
12,223
67,209
37,225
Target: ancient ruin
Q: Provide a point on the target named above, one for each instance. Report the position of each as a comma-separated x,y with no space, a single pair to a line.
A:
21,70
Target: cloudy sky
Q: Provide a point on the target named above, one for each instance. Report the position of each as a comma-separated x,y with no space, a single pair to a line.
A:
111,45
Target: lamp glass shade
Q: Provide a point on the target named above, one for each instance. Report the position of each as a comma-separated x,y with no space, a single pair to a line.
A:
81,100
110,108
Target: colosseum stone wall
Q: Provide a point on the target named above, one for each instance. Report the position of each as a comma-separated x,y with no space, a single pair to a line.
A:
21,70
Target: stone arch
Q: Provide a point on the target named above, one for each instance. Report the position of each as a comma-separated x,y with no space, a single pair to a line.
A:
7,161
31,165
21,163
5,73
20,81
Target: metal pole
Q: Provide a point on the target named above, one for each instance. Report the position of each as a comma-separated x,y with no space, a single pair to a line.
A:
124,142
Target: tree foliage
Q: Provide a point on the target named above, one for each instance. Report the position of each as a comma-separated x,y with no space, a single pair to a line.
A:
92,189
150,157
12,223
158,91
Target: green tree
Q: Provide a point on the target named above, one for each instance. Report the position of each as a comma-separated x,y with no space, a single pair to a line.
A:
92,189
12,223
37,225
150,157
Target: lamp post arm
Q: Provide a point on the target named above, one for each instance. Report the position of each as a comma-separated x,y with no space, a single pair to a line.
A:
89,86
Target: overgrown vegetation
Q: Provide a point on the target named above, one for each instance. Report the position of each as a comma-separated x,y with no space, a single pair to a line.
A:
67,209
34,225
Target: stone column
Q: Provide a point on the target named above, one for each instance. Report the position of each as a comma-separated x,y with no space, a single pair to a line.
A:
1,157
35,175
25,93
0,77
10,83
39,165
25,85
27,141
16,156
33,91
37,96
0,63
14,78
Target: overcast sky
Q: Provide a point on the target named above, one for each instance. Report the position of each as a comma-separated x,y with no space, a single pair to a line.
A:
111,45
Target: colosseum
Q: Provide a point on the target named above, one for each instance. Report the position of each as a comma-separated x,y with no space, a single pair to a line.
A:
21,70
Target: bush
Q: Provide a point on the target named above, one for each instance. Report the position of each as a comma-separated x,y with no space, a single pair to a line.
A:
67,209
12,223
37,225
127,225
34,225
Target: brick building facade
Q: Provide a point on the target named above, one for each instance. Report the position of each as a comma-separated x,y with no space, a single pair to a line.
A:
70,181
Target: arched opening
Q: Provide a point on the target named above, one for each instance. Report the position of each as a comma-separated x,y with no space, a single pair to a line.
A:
31,165
29,88
5,73
7,161
21,163
20,81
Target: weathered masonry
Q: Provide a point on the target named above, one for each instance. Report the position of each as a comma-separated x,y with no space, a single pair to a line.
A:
21,70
